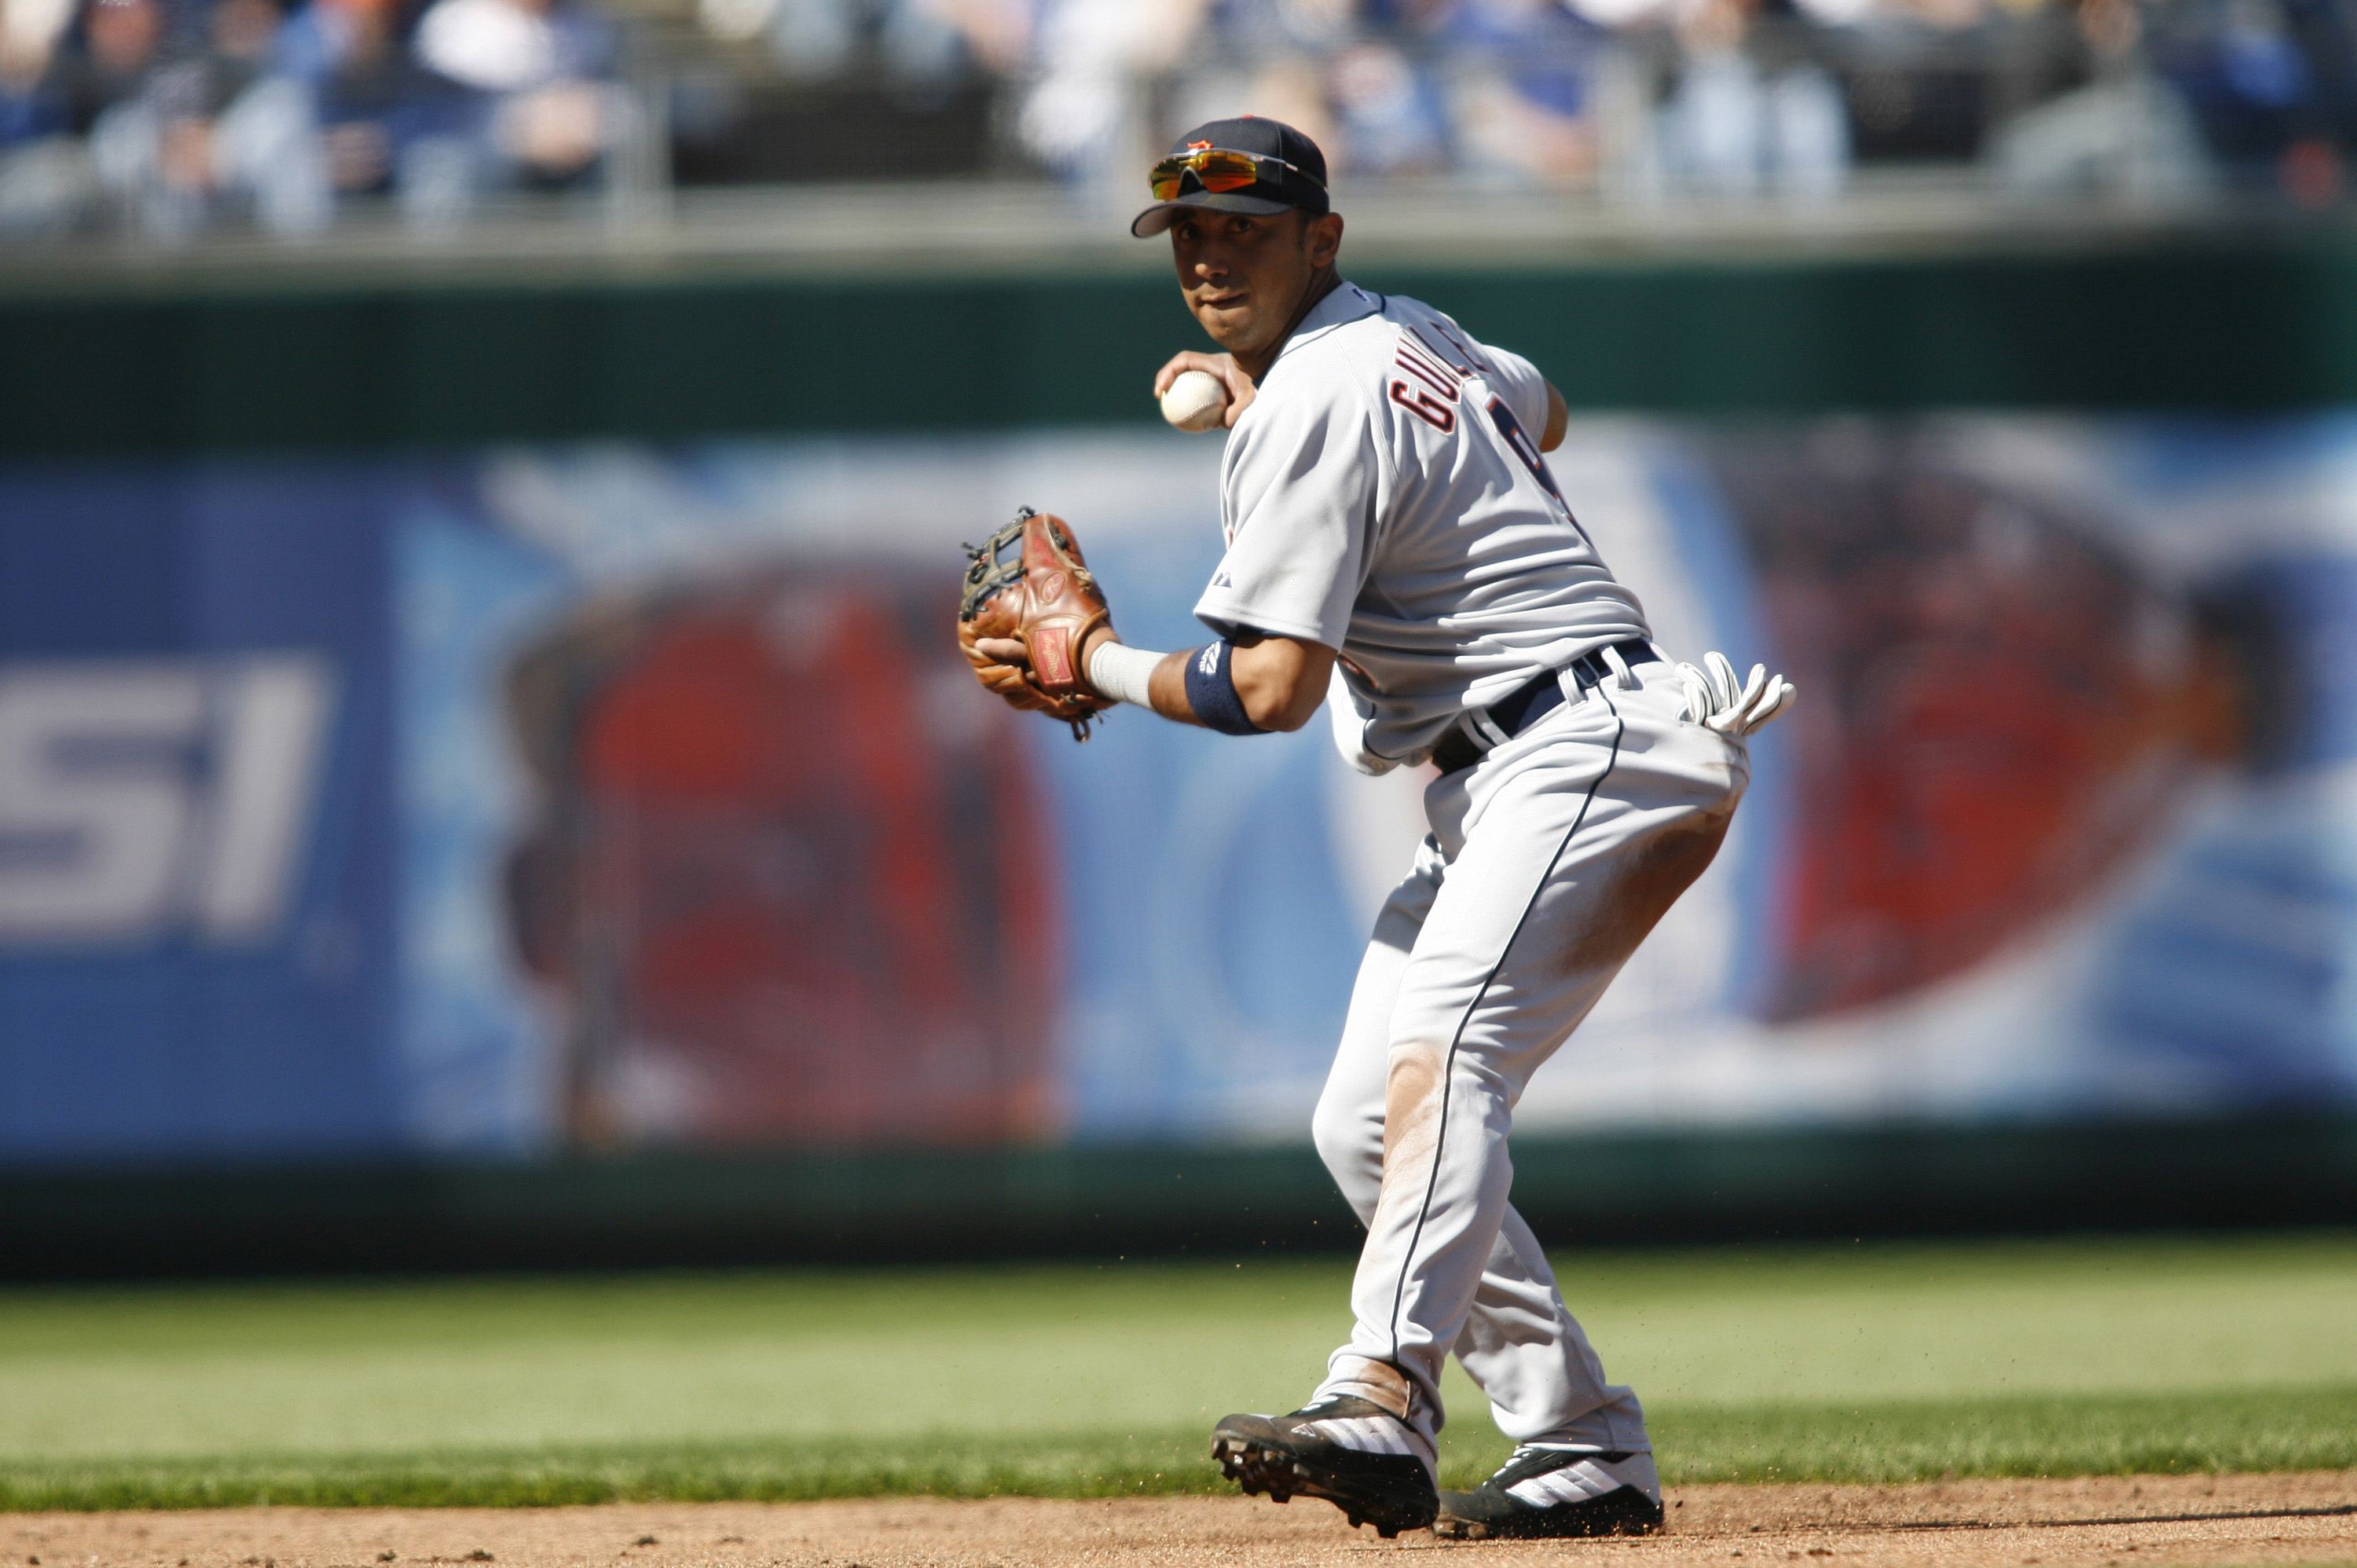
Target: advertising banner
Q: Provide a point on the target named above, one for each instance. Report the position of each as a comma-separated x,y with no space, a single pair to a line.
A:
597,797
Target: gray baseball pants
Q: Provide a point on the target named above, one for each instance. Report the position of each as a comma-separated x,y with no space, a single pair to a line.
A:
1548,862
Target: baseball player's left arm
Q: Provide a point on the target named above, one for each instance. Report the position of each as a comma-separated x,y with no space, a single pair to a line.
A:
1278,681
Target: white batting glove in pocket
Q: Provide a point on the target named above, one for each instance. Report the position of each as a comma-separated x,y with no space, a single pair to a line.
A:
1714,699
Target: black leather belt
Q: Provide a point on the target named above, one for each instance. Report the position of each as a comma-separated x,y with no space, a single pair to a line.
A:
1536,698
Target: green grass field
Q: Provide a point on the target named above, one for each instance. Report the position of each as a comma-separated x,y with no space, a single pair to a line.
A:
1873,1362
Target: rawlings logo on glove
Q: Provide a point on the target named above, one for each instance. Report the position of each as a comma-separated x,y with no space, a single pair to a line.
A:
1028,584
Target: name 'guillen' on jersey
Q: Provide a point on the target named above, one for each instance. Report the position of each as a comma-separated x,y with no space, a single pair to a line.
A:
1385,494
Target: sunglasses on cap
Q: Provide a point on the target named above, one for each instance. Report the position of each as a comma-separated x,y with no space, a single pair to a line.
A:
1217,170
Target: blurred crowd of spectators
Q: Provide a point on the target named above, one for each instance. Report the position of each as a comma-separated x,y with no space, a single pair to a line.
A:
1494,92
1725,97
167,114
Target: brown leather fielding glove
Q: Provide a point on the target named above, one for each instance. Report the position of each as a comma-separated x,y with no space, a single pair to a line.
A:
1028,581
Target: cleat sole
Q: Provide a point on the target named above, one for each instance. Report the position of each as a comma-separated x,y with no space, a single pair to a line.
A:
1280,1478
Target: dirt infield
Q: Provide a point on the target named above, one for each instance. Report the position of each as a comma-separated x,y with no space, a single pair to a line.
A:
2307,1518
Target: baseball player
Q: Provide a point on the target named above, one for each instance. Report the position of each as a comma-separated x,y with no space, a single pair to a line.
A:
1397,550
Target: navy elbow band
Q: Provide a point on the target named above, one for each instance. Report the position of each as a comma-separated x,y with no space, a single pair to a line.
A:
1212,691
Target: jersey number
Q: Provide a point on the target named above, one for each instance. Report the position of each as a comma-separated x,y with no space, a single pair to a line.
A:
1526,449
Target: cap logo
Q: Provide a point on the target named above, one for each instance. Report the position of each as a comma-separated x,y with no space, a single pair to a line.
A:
1198,147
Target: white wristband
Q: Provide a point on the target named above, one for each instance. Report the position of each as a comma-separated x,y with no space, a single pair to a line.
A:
1122,672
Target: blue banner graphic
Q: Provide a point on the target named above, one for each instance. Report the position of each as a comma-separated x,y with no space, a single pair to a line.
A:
606,796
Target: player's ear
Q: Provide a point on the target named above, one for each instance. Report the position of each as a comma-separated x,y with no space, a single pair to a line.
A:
1324,235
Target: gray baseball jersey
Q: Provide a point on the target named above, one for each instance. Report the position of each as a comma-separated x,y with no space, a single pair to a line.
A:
1385,494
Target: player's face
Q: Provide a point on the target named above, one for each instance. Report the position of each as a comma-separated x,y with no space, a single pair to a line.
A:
1244,277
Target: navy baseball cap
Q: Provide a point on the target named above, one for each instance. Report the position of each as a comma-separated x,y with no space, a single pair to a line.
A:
1287,170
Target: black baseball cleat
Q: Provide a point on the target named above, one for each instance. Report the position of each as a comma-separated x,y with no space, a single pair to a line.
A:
1351,1452
1548,1493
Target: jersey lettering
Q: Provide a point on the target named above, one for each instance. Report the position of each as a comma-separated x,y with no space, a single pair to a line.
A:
1430,371
1425,406
1437,390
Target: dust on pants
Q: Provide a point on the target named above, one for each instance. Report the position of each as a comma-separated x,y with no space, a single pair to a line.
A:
1548,862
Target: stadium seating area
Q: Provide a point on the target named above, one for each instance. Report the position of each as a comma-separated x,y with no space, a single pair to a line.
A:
167,118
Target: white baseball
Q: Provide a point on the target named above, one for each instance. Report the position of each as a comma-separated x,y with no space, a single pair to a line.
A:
1196,401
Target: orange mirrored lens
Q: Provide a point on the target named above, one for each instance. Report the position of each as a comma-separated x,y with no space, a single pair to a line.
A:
1216,171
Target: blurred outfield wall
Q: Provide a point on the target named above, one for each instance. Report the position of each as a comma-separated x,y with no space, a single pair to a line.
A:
484,775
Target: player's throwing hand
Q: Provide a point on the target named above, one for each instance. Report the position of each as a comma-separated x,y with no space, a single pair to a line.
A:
1221,368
